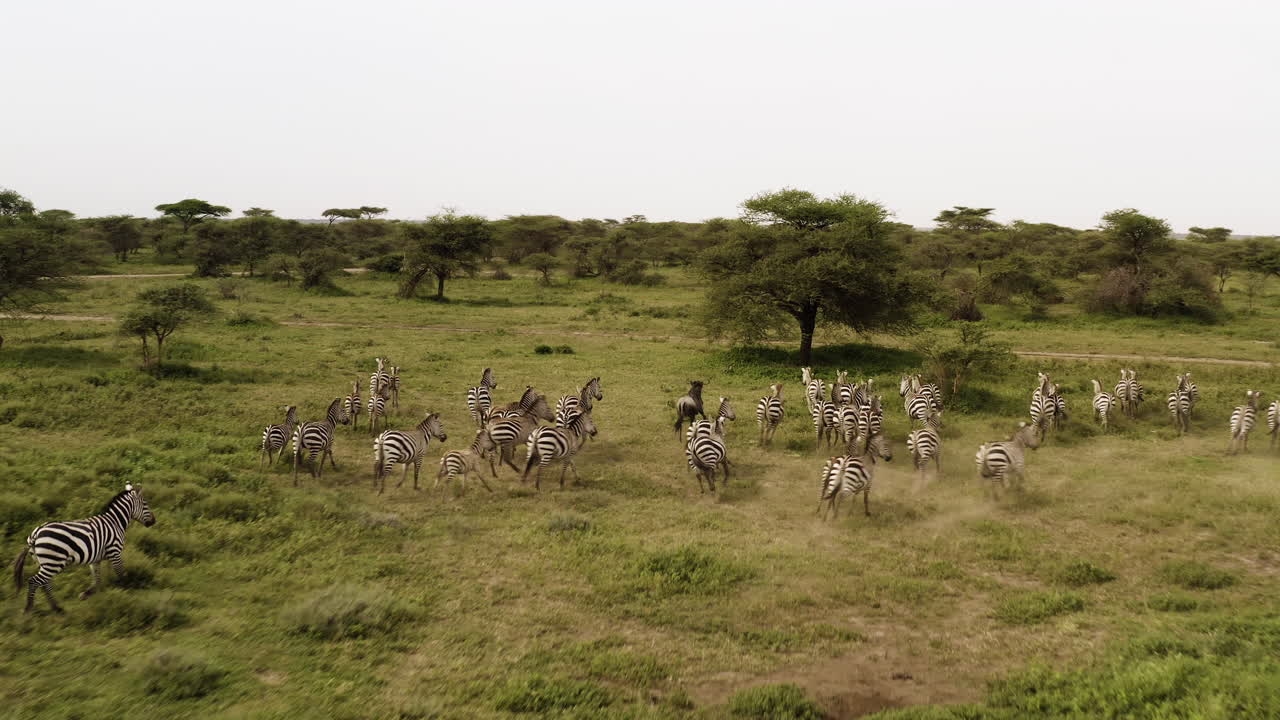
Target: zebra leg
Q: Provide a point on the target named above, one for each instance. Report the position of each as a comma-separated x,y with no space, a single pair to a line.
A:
866,501
417,468
329,451
564,466
403,476
508,457
93,568
47,586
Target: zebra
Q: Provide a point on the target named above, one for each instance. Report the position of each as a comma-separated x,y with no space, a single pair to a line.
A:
379,378
394,446
1242,422
705,453
81,542
1122,392
704,427
1103,401
689,406
852,474
275,437
531,402
917,404
1273,421
998,460
841,390
871,417
378,408
931,391
926,443
849,424
316,438
862,393
769,413
353,404
394,386
569,405
511,431
826,419
814,388
1179,404
1130,392
479,401
1043,407
1185,384
465,462
548,444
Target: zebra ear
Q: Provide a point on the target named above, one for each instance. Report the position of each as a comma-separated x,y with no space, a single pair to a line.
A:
128,487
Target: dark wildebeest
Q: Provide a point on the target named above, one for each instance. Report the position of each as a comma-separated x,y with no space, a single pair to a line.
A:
689,407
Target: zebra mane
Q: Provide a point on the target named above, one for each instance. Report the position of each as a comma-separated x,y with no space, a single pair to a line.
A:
112,502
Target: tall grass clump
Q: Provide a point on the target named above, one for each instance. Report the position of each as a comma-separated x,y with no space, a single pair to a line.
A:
1037,607
774,702
122,612
180,675
540,695
1195,575
346,611
686,570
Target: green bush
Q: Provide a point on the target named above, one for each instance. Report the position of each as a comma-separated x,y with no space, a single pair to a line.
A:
228,506
774,702
543,350
346,611
1036,607
569,523
180,675
123,612
1081,572
1195,575
537,694
20,514
386,264
686,570
1173,602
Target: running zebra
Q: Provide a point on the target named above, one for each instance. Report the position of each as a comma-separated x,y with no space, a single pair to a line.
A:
769,413
353,404
705,454
1130,392
394,387
926,443
862,393
917,404
1273,421
81,542
706,427
826,420
1243,419
316,438
814,388
871,418
508,432
1186,385
1103,402
1043,407
531,402
378,408
548,444
569,405
689,406
465,462
841,390
394,447
379,378
998,460
852,474
1179,405
479,400
276,437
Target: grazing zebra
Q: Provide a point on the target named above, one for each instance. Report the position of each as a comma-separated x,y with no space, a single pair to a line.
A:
479,400
548,444
1243,419
465,462
1043,407
394,387
706,453
1179,405
1273,421
569,405
814,388
353,404
275,437
394,447
379,378
852,474
378,408
1103,401
826,420
316,438
926,443
511,431
81,542
769,413
917,404
689,406
998,460
706,427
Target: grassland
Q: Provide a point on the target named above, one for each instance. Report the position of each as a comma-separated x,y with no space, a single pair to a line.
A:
1134,571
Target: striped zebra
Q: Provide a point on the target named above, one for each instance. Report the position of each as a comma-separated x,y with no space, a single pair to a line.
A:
705,453
871,417
569,405
1043,407
465,462
276,437
689,406
998,460
724,412
378,408
814,388
1187,385
316,438
1273,421
1103,402
926,443
1130,392
1243,418
379,378
826,420
917,404
862,393
841,390
394,447
769,413
548,444
508,432
353,404
479,399
848,422
531,402
394,386
852,474
1179,404
81,542
931,391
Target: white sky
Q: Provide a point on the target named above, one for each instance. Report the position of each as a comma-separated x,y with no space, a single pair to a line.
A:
1047,111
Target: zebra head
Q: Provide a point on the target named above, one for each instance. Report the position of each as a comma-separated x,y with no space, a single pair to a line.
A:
488,380
337,413
726,410
582,425
777,390
1027,435
1097,388
138,508
592,389
904,385
806,375
432,427
382,363
483,443
877,446
842,378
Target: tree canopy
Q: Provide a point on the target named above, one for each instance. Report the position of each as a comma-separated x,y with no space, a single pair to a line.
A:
1211,235
443,246
160,312
13,204
39,253
192,211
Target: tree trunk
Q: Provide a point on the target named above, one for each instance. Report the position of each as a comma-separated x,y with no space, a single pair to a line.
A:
808,319
159,350
440,286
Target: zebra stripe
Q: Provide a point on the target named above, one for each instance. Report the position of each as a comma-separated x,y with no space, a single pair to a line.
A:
769,413
1103,402
81,542
569,405
275,437
925,444
394,386
394,447
1243,419
548,444
377,409
479,400
1043,406
826,420
380,378
316,438
353,404
465,462
705,454
509,432
852,474
1273,421
1179,404
717,426
998,460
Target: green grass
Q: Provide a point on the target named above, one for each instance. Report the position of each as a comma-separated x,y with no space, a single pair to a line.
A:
629,594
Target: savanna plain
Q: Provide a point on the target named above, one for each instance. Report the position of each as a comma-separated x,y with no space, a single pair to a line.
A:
1132,574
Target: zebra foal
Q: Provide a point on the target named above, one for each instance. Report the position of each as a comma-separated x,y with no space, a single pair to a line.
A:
316,438
276,437
465,462
925,444
997,460
1243,419
1103,402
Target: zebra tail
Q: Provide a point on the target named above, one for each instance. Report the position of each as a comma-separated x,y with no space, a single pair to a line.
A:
18,565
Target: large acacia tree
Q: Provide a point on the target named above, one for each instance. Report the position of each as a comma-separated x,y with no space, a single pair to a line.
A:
808,259
443,246
191,211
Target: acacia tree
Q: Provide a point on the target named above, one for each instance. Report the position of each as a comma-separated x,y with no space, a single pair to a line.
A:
336,213
191,211
974,230
808,259
13,204
544,263
369,212
39,254
160,313
259,212
444,245
1135,238
1210,235
121,232
521,235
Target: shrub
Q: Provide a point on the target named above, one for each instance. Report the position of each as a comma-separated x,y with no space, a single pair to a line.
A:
563,350
543,350
633,273
180,675
774,702
346,611
500,272
122,612
537,694
386,264
567,523
228,506
686,570
19,514
241,318
1173,602
1195,575
1081,572
1036,607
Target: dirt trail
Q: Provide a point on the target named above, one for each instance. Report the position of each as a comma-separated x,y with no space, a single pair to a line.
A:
171,275
1171,359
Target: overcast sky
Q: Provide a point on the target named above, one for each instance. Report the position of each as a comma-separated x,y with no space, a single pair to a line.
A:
1047,111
